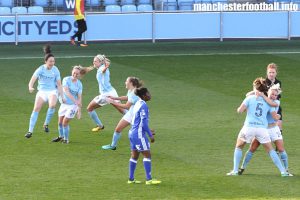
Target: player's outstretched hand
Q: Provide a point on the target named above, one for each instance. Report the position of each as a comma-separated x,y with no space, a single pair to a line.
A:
152,139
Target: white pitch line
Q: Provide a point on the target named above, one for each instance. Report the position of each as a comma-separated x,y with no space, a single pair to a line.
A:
163,55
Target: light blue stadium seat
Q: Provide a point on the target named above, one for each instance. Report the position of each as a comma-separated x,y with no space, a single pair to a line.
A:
129,8
169,5
5,11
185,4
43,3
7,3
127,2
113,8
92,3
219,2
297,2
35,9
110,2
58,3
144,7
139,2
19,10
281,2
206,1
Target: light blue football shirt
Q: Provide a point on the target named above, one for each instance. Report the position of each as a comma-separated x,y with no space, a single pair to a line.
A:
47,78
257,109
132,98
75,89
269,116
103,80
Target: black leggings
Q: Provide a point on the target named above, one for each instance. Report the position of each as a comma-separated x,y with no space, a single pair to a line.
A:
81,29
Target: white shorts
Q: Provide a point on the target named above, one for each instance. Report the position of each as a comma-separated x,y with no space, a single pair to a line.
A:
247,134
69,111
101,99
128,116
275,133
46,94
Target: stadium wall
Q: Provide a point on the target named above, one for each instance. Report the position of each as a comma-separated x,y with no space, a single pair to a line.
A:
152,26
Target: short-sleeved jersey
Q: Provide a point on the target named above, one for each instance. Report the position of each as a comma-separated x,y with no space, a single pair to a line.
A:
47,78
257,109
269,116
104,80
75,89
140,120
132,98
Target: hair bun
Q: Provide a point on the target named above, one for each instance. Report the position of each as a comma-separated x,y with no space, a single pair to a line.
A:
47,49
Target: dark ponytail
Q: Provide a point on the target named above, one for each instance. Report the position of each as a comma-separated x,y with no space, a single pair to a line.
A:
47,52
140,92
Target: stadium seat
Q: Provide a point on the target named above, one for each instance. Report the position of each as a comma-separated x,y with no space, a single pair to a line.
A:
43,3
7,3
139,2
127,2
144,8
58,3
281,2
219,1
92,3
169,5
297,2
24,3
19,10
129,8
110,2
185,4
113,8
35,9
5,11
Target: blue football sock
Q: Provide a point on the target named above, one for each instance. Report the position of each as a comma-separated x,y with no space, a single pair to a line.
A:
147,166
32,121
284,158
276,160
236,159
132,166
247,159
60,130
66,130
95,118
49,115
115,139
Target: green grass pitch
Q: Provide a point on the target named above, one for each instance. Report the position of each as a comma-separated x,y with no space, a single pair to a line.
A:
196,88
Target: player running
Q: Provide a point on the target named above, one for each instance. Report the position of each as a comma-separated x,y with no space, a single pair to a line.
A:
131,84
101,63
